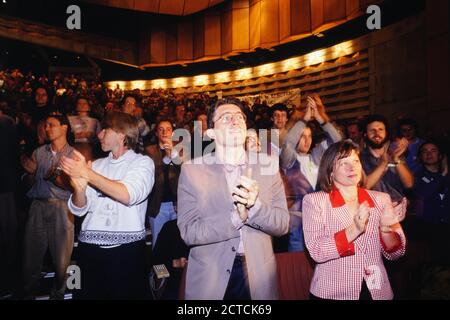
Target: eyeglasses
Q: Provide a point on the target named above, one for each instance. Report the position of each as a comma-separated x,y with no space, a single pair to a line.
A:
230,117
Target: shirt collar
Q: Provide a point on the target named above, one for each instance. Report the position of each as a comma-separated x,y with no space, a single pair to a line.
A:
230,167
338,201
48,147
123,157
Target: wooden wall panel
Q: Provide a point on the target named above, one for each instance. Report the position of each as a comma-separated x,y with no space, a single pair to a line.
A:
199,37
227,29
437,17
212,35
438,71
240,4
244,25
171,44
352,7
401,70
300,16
144,48
316,14
185,40
333,10
285,18
158,46
241,29
255,24
269,22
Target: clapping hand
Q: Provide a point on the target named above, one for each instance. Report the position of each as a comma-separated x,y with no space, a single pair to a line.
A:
388,218
76,167
361,217
400,209
318,109
309,110
78,184
400,148
245,195
246,192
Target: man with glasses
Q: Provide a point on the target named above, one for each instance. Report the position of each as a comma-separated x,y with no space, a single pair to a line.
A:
228,209
50,223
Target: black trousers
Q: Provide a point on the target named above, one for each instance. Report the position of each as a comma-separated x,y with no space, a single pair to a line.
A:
113,273
363,295
238,287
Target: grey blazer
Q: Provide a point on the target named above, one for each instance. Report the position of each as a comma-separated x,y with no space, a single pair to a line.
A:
204,219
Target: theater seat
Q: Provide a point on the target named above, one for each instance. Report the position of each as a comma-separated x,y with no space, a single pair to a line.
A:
295,271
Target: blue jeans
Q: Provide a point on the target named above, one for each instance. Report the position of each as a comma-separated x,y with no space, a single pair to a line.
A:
295,234
166,213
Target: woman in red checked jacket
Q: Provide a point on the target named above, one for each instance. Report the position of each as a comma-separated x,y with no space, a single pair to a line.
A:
348,230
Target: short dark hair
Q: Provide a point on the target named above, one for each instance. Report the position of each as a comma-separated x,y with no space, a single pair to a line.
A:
164,119
335,152
130,95
4,107
83,98
64,121
433,142
407,122
199,113
229,100
279,107
354,123
125,124
377,118
40,86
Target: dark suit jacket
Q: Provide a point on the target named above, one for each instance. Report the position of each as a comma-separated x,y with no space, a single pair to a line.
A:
156,196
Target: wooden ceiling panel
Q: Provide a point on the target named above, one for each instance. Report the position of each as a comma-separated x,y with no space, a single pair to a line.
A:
147,5
192,6
212,3
173,7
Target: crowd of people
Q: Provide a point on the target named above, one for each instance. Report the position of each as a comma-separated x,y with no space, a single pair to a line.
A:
221,185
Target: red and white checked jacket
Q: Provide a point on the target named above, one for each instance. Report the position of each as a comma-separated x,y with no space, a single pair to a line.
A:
342,266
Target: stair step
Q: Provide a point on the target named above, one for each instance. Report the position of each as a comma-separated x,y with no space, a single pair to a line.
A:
67,296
